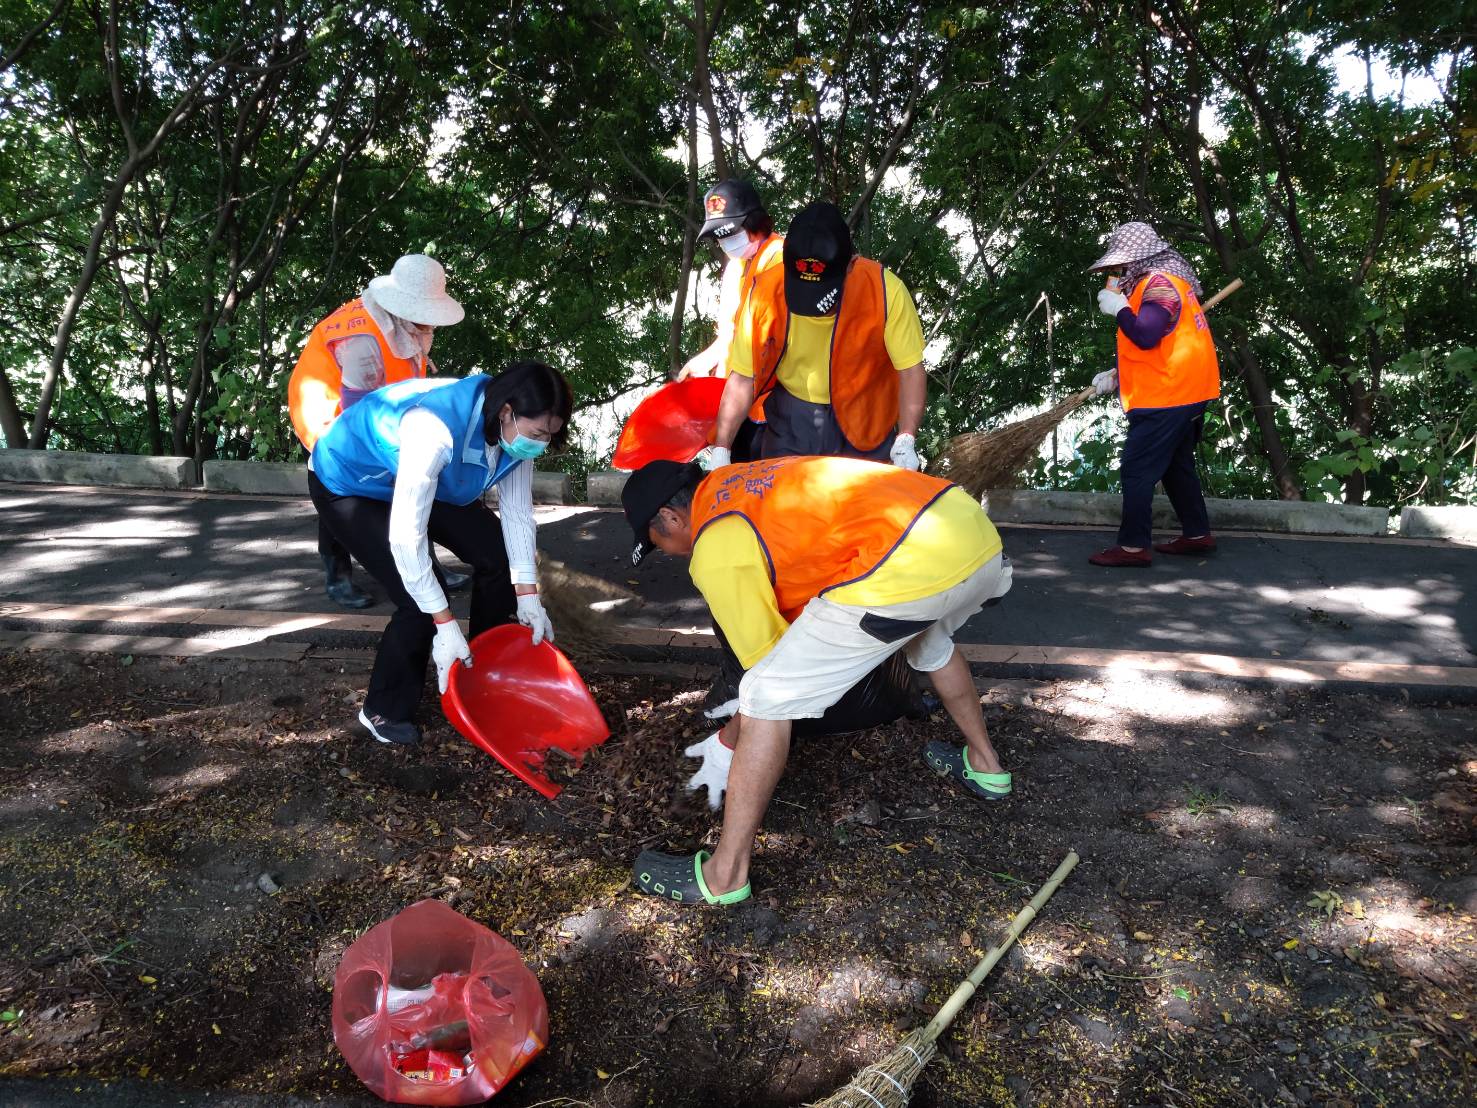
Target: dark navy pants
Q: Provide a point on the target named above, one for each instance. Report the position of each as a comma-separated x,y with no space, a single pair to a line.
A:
1161,447
794,426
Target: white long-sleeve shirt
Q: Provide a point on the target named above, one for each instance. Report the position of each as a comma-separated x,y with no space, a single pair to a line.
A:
425,450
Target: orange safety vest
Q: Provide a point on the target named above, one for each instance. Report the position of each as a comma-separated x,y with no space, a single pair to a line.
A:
864,393
1182,369
752,268
822,522
313,391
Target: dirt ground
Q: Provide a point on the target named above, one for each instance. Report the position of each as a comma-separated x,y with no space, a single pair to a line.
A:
1275,903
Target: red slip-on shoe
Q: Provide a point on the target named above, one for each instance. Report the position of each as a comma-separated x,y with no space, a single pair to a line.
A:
1117,556
1203,545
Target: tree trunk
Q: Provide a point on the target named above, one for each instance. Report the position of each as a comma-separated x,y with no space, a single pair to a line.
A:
1262,410
91,264
150,374
12,423
703,80
689,246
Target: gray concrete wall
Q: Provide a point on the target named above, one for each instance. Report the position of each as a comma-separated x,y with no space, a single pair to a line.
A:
603,487
257,478
1455,521
291,479
76,467
1102,509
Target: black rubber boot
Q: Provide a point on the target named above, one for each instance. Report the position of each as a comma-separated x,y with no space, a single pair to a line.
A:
340,586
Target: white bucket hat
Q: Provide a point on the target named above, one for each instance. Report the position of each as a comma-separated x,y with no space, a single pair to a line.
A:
416,290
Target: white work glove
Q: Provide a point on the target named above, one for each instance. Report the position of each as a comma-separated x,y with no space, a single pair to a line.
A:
449,647
1111,301
532,615
904,453
713,775
714,456
1105,382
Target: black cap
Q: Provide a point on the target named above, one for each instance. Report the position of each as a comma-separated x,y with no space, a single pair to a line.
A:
817,252
646,492
725,205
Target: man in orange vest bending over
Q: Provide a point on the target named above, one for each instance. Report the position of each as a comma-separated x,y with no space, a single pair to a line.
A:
817,570
382,337
1167,372
831,346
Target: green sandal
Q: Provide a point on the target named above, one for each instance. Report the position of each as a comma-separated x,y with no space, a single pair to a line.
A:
679,877
953,761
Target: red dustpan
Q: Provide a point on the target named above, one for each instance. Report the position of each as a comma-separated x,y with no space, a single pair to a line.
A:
673,423
517,701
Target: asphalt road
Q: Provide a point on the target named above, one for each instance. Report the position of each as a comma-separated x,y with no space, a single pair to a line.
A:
1260,596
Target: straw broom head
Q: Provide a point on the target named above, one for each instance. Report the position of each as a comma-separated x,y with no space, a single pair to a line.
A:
979,462
889,1083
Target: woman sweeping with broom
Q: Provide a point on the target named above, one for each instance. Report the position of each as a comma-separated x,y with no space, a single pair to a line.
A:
1167,373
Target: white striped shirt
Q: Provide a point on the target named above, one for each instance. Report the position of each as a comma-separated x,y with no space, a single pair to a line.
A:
425,450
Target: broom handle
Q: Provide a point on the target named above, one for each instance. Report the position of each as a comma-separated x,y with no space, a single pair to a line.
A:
1225,292
1022,920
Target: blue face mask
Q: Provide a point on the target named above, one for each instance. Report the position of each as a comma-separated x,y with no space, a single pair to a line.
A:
522,447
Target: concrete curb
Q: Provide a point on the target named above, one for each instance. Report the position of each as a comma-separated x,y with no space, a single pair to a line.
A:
276,636
1104,509
1458,521
76,467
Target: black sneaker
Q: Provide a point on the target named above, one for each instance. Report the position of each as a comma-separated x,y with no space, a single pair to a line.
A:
401,734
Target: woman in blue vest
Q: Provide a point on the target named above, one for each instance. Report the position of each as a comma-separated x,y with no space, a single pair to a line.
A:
407,466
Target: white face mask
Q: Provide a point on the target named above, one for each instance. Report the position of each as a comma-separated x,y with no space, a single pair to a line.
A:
739,245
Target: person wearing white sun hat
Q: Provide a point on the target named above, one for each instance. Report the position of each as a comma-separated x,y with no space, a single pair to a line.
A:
381,337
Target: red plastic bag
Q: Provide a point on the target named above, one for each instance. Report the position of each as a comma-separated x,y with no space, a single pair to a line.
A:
431,1008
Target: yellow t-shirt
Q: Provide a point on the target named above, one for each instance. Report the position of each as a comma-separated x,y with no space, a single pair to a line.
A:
947,543
805,366
733,296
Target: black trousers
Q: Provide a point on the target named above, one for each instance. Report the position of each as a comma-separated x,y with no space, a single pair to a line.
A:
471,532
1161,447
332,551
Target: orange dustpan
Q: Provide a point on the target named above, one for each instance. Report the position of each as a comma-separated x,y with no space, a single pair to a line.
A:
518,701
674,423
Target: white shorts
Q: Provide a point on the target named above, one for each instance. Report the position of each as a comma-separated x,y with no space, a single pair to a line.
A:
833,646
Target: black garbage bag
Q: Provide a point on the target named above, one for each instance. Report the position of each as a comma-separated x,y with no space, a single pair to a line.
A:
886,694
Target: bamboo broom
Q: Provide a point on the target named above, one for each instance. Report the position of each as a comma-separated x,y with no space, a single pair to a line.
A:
889,1083
980,461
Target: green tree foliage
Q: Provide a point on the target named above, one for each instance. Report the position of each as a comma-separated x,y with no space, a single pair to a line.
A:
187,186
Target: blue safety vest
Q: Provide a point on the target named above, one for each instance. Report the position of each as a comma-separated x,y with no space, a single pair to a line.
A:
360,453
